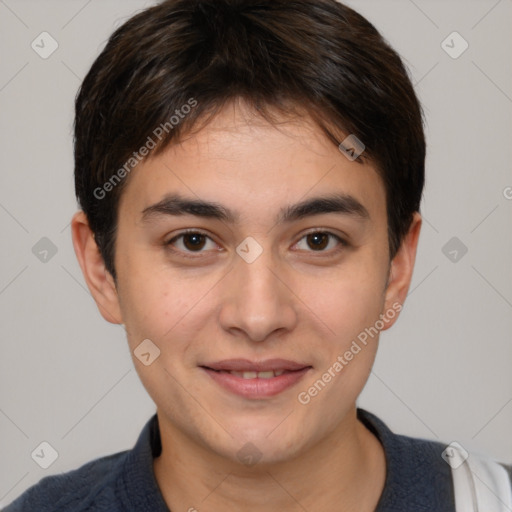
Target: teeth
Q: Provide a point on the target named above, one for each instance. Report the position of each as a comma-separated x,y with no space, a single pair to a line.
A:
266,375
260,375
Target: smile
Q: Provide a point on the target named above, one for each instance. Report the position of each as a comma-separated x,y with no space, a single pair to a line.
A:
256,375
256,380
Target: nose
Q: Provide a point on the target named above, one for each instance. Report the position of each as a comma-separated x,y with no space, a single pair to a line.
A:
258,301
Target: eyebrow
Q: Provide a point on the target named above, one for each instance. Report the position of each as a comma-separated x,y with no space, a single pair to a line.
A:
176,205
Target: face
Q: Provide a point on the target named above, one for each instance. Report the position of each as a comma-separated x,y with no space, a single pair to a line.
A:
248,248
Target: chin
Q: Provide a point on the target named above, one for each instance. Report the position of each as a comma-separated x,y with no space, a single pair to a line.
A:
265,445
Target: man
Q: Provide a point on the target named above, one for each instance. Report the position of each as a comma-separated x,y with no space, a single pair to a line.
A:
249,174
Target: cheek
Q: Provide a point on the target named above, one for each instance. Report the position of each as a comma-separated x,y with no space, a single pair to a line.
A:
346,301
349,304
165,308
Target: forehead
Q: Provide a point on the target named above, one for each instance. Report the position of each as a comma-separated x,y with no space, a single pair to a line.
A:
256,168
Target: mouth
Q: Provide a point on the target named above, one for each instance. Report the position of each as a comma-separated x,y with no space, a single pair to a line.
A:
254,375
256,380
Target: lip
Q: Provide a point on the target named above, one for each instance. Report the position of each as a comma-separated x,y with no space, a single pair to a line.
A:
256,388
244,365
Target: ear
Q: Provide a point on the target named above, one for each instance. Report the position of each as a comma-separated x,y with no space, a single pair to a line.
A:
99,281
400,273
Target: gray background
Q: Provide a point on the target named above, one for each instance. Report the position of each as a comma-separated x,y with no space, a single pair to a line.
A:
443,372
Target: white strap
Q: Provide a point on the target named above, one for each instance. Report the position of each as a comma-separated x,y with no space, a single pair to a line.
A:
481,485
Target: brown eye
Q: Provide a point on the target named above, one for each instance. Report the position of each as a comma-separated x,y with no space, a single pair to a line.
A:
318,241
191,242
194,241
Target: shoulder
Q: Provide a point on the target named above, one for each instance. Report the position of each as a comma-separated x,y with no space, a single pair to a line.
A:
425,475
92,485
120,482
421,473
417,477
405,453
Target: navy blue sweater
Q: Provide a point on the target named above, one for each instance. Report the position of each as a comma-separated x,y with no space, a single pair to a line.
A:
417,478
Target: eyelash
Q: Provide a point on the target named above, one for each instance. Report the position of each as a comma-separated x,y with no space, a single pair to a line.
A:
188,254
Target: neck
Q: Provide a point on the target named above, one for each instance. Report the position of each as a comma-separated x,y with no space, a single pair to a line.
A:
345,471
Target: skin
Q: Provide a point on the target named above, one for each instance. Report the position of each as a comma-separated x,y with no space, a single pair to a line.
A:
293,302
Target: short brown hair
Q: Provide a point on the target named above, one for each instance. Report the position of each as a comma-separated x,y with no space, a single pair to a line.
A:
276,55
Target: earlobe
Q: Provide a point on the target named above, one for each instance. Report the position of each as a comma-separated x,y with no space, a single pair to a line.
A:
402,266
98,279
